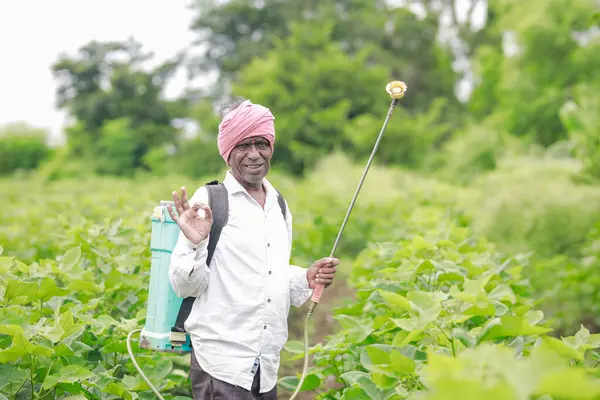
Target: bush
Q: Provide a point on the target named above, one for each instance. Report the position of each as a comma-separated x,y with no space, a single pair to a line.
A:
22,147
532,204
442,315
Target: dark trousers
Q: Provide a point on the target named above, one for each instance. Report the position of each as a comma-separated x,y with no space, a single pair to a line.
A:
205,387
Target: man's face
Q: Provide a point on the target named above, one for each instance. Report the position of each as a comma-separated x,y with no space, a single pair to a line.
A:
250,160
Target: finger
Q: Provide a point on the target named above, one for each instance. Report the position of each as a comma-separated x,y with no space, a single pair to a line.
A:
177,202
324,281
196,207
326,272
172,213
184,200
322,262
208,216
330,261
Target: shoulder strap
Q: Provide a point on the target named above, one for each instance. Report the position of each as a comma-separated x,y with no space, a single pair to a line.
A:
219,204
282,205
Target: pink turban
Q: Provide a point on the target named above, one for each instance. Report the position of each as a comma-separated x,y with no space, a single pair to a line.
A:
245,121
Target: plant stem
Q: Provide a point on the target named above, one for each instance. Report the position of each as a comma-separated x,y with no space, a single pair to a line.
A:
447,337
31,372
14,395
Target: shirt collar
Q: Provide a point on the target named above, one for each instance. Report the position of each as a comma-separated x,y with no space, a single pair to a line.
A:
233,186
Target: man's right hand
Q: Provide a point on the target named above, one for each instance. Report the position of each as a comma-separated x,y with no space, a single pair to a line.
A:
195,227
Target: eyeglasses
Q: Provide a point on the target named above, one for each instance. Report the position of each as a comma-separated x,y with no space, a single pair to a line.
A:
260,145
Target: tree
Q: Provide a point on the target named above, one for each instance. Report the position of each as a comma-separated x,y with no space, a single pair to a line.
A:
325,100
105,87
22,147
231,34
553,50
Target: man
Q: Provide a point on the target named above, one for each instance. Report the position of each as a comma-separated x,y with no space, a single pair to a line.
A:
238,323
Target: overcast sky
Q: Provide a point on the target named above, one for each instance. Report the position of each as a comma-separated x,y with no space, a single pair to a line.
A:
34,32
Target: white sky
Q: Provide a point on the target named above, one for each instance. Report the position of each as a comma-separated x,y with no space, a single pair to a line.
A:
34,32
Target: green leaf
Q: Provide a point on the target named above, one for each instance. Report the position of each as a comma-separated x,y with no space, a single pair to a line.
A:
354,329
311,382
294,346
6,264
19,291
383,381
352,377
11,374
20,346
361,386
401,364
561,348
68,374
71,258
569,384
510,326
359,393
348,322
382,359
395,300
49,289
428,305
466,339
419,243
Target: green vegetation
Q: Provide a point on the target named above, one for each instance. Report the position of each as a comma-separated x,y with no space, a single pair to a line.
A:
471,263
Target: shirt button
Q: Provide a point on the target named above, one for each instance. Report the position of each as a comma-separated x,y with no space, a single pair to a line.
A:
269,272
268,299
268,244
265,327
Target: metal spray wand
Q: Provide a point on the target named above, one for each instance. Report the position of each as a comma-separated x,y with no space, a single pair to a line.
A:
396,90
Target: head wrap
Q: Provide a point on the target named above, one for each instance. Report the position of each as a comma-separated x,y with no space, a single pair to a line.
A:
245,121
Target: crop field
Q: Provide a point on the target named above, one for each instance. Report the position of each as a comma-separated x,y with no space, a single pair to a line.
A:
425,305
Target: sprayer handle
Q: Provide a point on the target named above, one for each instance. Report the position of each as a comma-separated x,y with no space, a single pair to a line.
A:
316,297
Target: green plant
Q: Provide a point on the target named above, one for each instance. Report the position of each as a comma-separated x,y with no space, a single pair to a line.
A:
442,315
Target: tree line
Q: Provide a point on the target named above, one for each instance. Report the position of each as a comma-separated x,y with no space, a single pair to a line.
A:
322,66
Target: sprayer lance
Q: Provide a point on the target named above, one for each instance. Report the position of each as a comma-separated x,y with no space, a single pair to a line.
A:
396,90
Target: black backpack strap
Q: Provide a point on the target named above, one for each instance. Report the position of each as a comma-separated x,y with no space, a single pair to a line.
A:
219,205
218,201
281,202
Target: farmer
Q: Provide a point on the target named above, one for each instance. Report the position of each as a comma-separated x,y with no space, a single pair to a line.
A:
238,323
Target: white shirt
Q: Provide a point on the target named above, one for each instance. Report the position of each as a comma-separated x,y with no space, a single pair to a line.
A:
243,299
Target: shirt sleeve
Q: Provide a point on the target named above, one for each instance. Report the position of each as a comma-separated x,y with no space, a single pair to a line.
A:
300,292
188,272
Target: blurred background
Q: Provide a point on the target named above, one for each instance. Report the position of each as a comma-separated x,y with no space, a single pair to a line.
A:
106,107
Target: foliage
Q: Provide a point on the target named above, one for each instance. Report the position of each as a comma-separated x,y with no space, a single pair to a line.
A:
580,117
567,286
442,315
119,108
73,283
22,148
235,33
528,80
89,262
473,244
532,203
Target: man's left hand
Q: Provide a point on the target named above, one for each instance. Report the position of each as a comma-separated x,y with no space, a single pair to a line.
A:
322,271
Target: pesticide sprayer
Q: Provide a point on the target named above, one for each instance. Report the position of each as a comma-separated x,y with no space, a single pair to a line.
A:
163,304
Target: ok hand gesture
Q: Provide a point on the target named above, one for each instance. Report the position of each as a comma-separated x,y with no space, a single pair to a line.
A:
194,226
